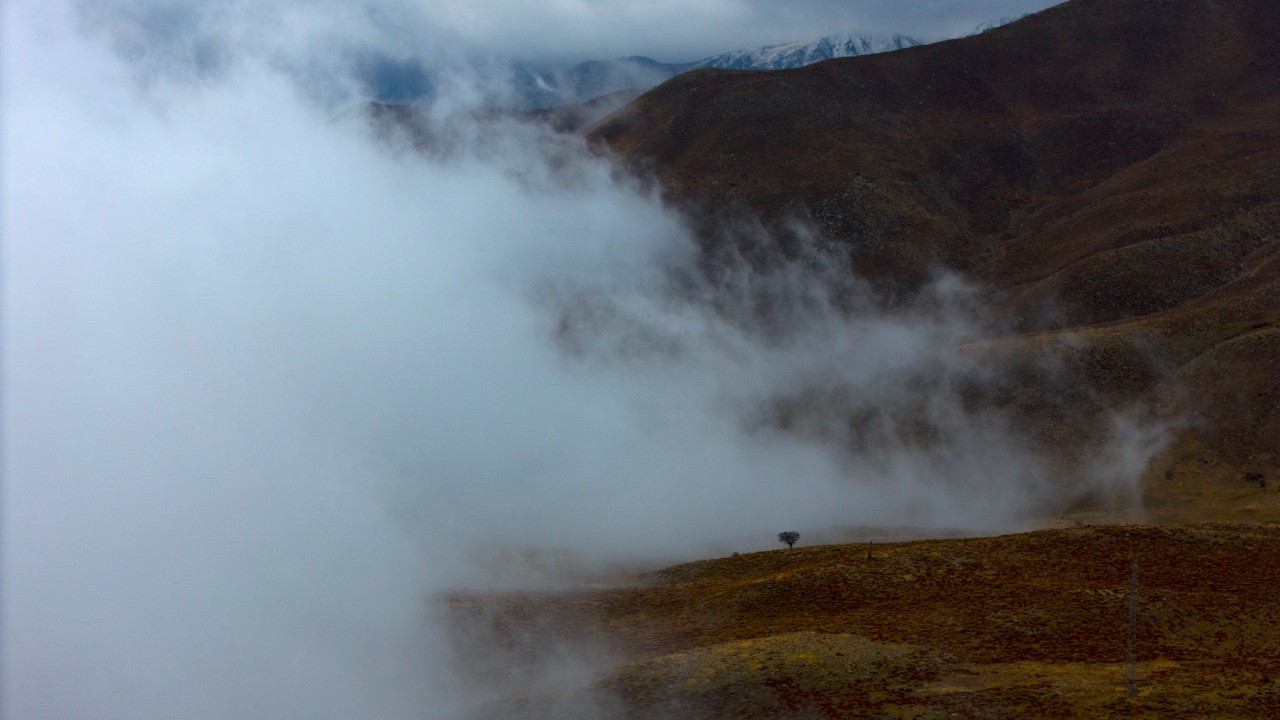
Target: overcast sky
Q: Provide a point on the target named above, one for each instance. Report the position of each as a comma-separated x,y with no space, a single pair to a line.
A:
561,30
676,30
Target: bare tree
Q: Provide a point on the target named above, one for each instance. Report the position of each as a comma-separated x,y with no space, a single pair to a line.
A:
789,537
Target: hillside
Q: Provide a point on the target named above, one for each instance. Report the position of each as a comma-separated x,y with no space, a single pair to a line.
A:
1020,626
1108,171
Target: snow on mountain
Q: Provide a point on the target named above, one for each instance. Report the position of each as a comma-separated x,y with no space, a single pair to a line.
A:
806,52
541,86
993,24
587,80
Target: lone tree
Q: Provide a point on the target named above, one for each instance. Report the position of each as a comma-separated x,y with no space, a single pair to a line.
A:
789,537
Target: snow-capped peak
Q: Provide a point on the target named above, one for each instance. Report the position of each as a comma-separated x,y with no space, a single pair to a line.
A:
806,52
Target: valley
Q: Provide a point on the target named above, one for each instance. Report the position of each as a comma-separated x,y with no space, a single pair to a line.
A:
1107,173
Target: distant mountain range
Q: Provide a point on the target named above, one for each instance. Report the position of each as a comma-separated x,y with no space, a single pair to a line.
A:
546,87
807,52
537,86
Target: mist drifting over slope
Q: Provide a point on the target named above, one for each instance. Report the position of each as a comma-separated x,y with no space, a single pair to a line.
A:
270,385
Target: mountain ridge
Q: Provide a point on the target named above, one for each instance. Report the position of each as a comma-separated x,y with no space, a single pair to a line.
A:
807,52
1108,171
591,79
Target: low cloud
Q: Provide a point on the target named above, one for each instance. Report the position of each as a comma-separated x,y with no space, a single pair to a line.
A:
271,385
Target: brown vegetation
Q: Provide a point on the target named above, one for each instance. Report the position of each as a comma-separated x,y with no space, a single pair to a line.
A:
1109,171
1031,625
1106,169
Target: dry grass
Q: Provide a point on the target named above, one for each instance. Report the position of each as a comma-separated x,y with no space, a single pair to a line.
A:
1133,191
1130,197
1029,625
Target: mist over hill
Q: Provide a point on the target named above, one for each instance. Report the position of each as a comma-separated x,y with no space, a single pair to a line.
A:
312,406
1121,201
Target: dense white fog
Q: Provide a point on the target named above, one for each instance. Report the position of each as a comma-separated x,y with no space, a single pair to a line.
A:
271,385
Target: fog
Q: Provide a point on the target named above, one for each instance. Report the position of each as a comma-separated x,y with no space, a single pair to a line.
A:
271,385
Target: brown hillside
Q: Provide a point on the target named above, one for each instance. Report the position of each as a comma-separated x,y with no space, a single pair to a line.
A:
1021,626
1106,166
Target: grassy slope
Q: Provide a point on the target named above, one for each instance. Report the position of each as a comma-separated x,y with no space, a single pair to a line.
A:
1116,160
1030,625
1109,169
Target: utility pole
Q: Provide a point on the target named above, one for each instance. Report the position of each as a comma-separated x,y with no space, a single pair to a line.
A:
1131,656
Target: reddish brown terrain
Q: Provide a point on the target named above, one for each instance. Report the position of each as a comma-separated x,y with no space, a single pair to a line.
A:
1108,173
1107,170
1036,625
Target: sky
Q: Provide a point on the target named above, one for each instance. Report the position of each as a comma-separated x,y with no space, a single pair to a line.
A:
538,30
397,50
272,384
682,30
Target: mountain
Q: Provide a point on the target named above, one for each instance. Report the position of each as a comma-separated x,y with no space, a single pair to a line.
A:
542,87
806,52
1108,173
534,86
1107,170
